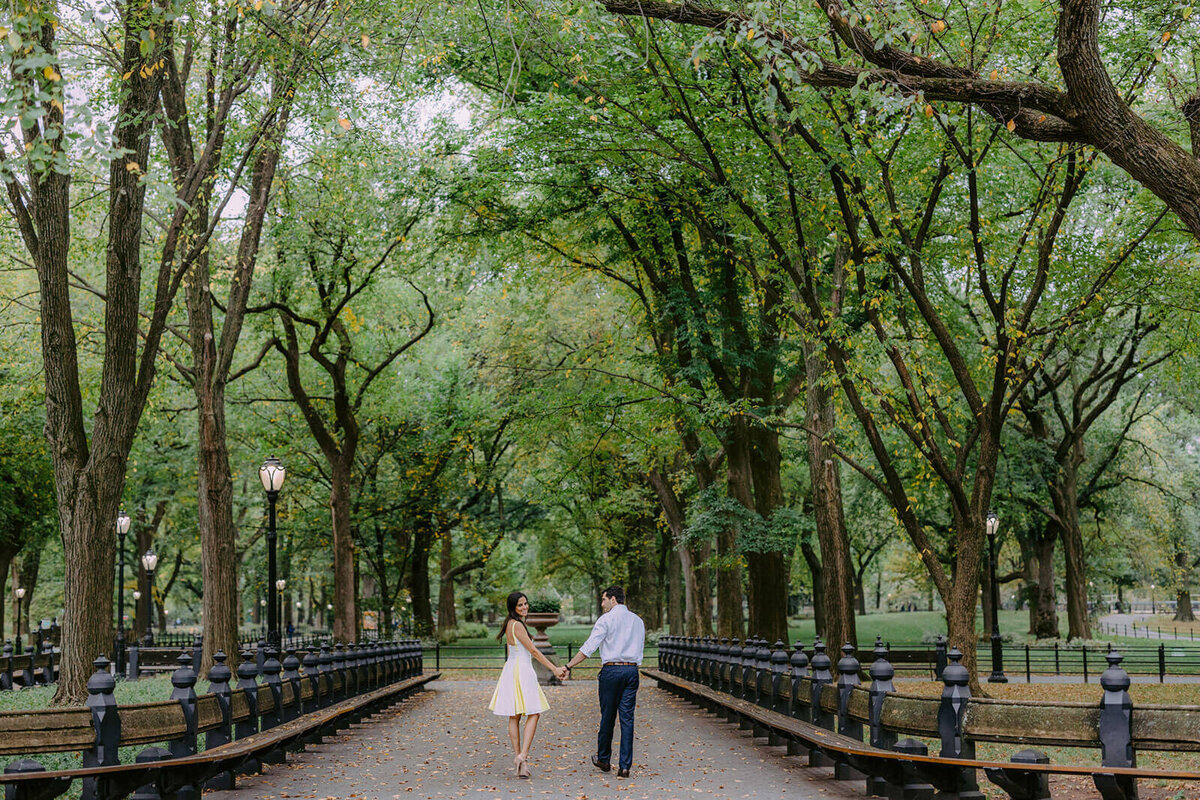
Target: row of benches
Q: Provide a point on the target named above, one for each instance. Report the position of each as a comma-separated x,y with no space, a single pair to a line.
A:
245,725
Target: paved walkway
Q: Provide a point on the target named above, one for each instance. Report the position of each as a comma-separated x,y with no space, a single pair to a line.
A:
444,743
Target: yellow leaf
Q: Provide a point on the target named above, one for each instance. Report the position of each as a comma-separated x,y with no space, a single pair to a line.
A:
928,110
995,75
132,166
1166,37
366,40
345,123
1012,125
51,73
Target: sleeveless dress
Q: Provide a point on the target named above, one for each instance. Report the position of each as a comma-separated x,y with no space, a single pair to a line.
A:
517,691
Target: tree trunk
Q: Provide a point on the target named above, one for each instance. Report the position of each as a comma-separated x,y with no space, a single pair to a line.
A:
1029,584
422,609
31,560
818,583
1046,623
214,512
836,574
769,574
1065,496
697,594
447,618
985,583
345,612
6,556
381,577
674,594
730,617
1183,606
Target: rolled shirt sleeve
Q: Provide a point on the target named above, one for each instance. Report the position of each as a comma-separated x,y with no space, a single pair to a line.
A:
599,631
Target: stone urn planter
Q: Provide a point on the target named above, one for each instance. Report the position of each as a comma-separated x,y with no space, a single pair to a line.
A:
540,621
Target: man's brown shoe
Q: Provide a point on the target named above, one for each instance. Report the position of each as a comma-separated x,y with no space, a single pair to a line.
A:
603,766
622,773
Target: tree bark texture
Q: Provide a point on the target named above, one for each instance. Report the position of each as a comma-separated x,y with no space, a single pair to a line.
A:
1046,622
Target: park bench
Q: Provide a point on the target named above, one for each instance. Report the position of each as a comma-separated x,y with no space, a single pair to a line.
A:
246,725
826,717
169,775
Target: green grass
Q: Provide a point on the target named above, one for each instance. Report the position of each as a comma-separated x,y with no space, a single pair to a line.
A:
146,690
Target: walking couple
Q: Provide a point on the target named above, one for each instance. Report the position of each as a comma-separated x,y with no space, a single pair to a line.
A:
619,634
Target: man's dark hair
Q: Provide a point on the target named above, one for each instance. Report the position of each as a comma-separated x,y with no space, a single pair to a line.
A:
616,593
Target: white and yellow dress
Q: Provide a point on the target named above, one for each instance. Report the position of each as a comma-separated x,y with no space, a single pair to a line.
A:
517,691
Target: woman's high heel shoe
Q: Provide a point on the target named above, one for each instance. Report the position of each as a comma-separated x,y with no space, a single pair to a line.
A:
523,769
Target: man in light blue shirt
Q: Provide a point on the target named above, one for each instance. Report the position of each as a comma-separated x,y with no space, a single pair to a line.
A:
621,636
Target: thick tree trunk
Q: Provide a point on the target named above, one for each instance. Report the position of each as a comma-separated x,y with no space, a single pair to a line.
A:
214,511
837,584
1183,607
89,544
1046,622
769,571
345,612
447,618
1064,492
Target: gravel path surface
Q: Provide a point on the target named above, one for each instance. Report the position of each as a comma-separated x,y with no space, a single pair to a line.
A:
444,743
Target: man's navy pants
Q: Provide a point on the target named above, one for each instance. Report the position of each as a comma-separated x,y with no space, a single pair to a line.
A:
618,695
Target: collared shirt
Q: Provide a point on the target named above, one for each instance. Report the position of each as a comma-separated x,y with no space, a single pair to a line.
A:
620,634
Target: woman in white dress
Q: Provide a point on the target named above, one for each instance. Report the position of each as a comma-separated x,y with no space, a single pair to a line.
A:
517,692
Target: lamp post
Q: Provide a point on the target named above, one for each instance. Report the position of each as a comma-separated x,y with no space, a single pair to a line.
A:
271,473
20,593
997,676
122,529
149,562
280,585
1153,605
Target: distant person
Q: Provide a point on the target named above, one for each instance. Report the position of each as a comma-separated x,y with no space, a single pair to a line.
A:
517,691
621,636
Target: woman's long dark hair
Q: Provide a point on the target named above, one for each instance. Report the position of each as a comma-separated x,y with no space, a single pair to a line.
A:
513,599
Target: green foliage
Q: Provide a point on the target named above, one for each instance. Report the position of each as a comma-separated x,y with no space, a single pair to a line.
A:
544,604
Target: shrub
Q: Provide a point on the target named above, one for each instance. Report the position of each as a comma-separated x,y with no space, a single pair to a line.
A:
466,630
545,605
472,630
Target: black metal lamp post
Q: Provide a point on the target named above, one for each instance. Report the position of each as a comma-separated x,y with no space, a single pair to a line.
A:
271,473
1153,603
280,585
20,593
122,529
997,676
149,562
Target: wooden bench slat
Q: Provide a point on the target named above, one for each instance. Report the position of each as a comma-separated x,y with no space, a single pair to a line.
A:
834,742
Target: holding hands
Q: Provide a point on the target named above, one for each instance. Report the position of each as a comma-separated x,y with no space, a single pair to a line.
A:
563,673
